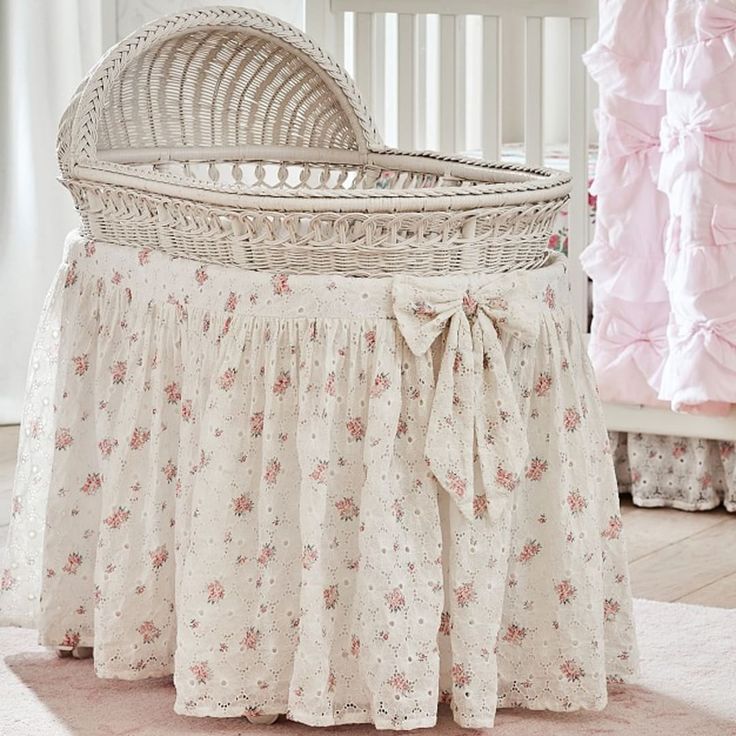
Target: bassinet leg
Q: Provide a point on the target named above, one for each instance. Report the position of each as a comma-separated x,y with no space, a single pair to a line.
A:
82,652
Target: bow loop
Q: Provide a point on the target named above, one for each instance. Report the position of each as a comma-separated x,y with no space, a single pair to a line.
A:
474,412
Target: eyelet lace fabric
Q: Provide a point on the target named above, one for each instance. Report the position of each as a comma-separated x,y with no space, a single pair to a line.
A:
227,476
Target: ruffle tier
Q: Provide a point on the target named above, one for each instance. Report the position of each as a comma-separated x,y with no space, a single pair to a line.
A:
238,495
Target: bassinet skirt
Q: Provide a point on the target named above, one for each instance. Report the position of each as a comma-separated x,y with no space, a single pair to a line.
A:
342,499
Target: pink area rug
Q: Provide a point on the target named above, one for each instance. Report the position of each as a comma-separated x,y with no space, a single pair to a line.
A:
687,688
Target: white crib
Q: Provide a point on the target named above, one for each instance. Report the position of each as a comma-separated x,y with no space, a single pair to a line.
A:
356,32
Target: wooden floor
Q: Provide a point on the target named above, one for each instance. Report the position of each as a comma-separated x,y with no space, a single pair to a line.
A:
675,555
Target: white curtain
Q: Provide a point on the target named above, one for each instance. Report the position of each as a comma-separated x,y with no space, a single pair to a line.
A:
45,50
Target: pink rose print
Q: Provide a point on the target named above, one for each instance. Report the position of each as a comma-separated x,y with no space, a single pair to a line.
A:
92,484
706,481
139,438
402,428
118,371
537,468
400,683
530,550
72,564
610,609
514,634
330,595
506,479
106,446
370,340
227,380
256,424
461,676
169,470
63,438
572,670
90,248
543,384
456,484
355,428
330,384
565,591
200,275
554,241
215,592
380,384
423,310
465,595
201,672
282,383
575,502
251,638
159,556
242,504
144,256
355,646
395,600
549,297
71,275
280,283
480,505
117,518
7,581
81,364
445,625
457,362
319,474
272,471
571,419
149,632
267,553
71,638
187,413
309,556
173,393
231,303
347,508
613,530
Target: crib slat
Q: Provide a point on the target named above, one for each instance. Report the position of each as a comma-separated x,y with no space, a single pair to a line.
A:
420,128
533,136
460,82
448,89
407,88
578,208
378,93
364,56
491,81
339,33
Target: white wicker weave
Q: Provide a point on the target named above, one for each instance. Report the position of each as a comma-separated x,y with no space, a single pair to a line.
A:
226,135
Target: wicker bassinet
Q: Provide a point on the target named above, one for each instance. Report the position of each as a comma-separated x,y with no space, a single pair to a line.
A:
225,135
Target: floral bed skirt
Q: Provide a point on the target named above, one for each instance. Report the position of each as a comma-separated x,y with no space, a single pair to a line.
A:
340,499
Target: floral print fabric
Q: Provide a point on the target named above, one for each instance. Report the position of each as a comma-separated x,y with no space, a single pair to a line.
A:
239,492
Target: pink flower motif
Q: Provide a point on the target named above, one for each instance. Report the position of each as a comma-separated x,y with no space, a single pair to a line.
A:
118,371
173,393
461,676
370,340
81,364
7,581
514,634
319,474
727,449
309,556
242,504
159,556
554,241
537,468
169,470
445,623
231,302
355,428
200,275
71,275
572,670
90,248
395,600
282,383
549,297
330,384
92,484
402,428
575,502
706,481
227,380
565,591
139,438
73,561
355,646
457,362
330,595
144,256
506,479
422,309
381,383
215,591
251,638
201,672
272,471
400,683
71,639
611,608
465,595
149,632
530,550
187,414
256,424
280,283
267,553
117,518
613,530
456,484
543,384
571,419
106,446
63,438
347,508
480,505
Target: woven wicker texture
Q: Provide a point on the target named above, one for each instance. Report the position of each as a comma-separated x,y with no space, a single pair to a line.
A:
226,135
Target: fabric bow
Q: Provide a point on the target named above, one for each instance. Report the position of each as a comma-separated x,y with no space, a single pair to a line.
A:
716,20
474,407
